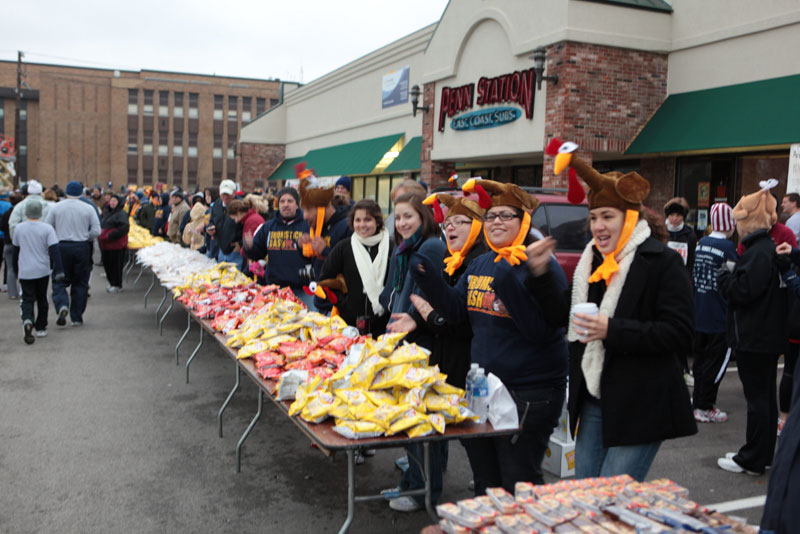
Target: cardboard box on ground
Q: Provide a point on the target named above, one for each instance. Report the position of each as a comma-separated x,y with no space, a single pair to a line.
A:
559,458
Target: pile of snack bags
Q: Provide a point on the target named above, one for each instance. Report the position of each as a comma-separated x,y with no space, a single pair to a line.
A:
381,388
174,264
618,505
140,237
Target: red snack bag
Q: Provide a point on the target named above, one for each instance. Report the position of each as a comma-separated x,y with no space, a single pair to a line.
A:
339,344
270,373
268,358
294,350
301,365
323,372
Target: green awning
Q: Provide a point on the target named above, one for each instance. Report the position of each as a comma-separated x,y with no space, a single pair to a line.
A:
755,114
359,157
408,160
285,170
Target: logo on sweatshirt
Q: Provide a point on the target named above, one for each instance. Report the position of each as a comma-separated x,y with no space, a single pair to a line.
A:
481,297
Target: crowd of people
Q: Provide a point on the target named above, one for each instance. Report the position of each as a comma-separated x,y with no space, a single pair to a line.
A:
468,277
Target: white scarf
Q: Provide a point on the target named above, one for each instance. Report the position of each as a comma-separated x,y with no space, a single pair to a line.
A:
372,272
594,353
673,228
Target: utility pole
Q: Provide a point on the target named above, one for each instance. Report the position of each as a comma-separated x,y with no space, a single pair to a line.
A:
16,118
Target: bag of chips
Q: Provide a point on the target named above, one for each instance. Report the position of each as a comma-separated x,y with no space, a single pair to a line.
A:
288,384
357,429
379,397
406,420
365,372
303,395
410,353
319,407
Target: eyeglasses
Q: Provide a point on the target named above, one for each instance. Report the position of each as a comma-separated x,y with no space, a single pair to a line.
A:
455,222
504,216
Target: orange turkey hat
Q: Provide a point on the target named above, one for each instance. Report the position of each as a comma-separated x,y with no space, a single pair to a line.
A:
455,206
312,194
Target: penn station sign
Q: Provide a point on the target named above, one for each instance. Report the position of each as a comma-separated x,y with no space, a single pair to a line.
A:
514,88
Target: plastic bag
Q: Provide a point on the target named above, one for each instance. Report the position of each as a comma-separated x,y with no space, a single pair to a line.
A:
502,408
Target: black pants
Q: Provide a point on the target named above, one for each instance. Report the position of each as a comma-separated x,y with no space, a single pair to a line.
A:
504,461
789,365
35,291
711,358
113,262
757,372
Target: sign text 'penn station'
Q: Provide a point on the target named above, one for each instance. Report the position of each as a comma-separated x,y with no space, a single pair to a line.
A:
516,87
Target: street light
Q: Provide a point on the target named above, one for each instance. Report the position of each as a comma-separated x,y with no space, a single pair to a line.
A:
415,92
538,57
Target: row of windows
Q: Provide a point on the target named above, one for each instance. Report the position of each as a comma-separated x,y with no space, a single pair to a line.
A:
178,105
177,149
177,178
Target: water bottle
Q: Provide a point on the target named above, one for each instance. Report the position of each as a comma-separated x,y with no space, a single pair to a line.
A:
473,369
480,395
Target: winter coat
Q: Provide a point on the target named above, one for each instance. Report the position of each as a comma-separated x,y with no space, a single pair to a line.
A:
193,231
780,233
175,218
4,228
643,395
18,211
355,303
684,242
114,230
277,241
161,217
334,230
757,304
511,337
146,215
227,231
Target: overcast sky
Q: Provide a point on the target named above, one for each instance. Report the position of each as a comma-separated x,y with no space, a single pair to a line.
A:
296,40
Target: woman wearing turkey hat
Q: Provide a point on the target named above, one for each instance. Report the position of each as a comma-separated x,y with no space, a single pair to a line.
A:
627,392
511,337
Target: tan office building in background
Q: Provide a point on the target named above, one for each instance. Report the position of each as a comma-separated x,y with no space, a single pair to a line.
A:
127,127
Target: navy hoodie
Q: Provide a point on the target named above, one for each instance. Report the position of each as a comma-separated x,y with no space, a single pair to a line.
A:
161,217
277,240
710,308
511,337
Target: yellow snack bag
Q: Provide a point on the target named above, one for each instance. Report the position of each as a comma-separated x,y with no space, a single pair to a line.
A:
341,411
417,376
341,379
389,377
406,420
443,388
414,397
337,323
447,404
319,407
437,422
274,343
358,429
380,397
366,370
422,429
250,349
392,339
352,397
303,395
385,414
410,353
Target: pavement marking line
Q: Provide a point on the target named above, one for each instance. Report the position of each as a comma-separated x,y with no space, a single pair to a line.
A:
732,369
738,504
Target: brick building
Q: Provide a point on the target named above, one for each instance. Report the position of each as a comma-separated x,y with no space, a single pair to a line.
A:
692,95
97,125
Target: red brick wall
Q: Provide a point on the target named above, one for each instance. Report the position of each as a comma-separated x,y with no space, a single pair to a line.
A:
661,174
604,96
258,162
434,173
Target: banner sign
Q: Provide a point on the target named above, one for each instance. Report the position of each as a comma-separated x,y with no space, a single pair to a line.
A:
793,180
394,88
485,118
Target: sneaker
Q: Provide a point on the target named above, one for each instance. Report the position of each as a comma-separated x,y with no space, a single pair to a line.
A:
389,491
62,317
404,504
728,464
13,297
77,323
781,422
358,456
41,333
113,289
28,328
689,379
401,463
369,452
4,288
710,416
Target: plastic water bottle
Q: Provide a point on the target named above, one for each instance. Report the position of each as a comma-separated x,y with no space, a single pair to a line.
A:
473,370
480,395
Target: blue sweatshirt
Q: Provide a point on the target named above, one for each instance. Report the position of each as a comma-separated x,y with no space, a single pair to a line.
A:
710,307
277,240
510,335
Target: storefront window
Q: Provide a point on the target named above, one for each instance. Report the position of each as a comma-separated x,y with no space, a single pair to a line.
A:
527,176
759,167
704,181
370,187
358,189
384,188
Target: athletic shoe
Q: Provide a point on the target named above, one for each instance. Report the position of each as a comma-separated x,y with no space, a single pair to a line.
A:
27,326
62,317
781,422
710,416
369,452
404,504
114,289
401,463
13,298
689,379
4,288
358,457
41,333
77,323
728,464
396,489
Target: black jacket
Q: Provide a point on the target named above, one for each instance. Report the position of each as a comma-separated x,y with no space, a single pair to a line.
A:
146,215
686,235
452,342
643,395
117,220
333,230
355,303
228,231
4,227
757,305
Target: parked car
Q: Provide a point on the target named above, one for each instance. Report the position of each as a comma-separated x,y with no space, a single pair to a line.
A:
556,217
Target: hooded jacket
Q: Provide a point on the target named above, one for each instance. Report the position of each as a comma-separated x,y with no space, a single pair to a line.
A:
227,231
161,217
18,211
146,215
276,240
175,218
114,230
193,231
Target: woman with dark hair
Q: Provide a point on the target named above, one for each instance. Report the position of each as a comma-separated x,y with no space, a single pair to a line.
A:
627,393
363,260
113,241
242,212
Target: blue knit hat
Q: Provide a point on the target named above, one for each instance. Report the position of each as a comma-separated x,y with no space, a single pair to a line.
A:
74,189
346,182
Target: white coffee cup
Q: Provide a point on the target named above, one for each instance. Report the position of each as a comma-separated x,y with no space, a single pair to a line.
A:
586,308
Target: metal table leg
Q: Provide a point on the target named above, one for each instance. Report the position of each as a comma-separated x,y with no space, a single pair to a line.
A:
180,341
141,271
128,266
247,431
230,397
161,321
194,353
149,289
160,304
351,490
426,454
